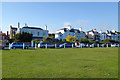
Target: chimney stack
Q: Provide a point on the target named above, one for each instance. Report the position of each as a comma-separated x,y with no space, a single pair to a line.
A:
7,33
18,25
100,31
80,29
45,27
25,25
94,30
68,27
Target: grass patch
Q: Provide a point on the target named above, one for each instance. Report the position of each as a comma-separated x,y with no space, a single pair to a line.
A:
60,63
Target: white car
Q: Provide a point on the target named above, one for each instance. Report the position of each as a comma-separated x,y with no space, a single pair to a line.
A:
112,45
44,45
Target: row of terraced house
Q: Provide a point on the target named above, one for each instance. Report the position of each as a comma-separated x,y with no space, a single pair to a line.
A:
39,33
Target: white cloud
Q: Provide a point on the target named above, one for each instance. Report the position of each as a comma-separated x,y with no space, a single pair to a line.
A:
66,24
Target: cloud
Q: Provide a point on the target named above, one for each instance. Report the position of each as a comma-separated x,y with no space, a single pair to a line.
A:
66,24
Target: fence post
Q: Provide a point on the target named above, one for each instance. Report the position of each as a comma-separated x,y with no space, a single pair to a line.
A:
64,45
39,43
55,46
35,46
46,46
9,45
32,43
81,45
98,45
72,45
107,45
23,45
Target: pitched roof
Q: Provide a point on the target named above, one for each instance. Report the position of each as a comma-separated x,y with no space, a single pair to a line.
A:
72,30
13,28
33,28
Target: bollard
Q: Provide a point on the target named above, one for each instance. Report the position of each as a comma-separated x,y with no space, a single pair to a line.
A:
107,45
31,43
46,46
72,45
64,45
40,45
55,46
9,45
35,45
81,45
23,45
98,45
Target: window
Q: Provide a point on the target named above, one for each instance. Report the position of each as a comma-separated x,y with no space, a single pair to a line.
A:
38,33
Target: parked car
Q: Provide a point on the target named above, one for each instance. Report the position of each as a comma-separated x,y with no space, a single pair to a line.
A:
82,45
15,45
114,45
87,45
67,45
105,45
1,46
43,45
94,45
77,45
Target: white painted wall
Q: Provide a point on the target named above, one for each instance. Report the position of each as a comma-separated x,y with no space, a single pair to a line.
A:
42,33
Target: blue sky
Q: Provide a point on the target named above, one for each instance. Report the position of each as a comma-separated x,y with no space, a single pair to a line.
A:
56,15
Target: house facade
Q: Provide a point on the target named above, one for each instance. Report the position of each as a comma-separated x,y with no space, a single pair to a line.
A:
93,34
63,33
38,33
114,35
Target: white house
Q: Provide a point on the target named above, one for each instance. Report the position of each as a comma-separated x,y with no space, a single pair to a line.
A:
114,35
103,35
63,33
93,34
38,33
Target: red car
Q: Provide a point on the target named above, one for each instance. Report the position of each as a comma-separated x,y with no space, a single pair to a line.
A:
2,47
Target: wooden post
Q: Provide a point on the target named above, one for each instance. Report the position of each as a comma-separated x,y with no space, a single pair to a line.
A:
32,43
72,45
64,45
23,45
9,45
98,45
35,45
46,46
107,45
55,46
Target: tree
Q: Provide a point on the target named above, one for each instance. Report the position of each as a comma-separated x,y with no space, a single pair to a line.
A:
84,40
64,40
52,36
36,41
71,38
23,37
108,41
92,41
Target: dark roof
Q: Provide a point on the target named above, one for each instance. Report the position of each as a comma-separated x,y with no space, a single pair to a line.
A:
72,30
14,28
65,29
103,33
33,28
92,31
